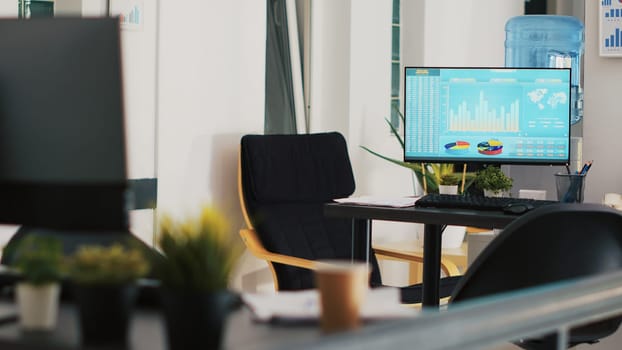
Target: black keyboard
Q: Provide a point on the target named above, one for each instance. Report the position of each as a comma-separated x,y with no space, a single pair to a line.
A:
510,205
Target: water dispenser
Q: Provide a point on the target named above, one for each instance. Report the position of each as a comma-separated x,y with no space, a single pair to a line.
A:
548,41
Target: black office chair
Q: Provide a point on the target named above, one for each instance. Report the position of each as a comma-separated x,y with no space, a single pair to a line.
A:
285,180
552,243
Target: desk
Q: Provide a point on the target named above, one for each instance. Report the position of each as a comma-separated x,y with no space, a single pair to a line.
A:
147,331
433,219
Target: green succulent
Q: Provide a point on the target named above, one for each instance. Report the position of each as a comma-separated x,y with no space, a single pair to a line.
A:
199,252
39,259
451,179
493,179
112,265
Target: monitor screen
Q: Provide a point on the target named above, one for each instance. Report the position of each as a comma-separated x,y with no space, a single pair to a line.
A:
487,115
62,138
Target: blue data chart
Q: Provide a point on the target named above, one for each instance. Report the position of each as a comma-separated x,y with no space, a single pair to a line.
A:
506,115
614,39
610,28
485,109
613,13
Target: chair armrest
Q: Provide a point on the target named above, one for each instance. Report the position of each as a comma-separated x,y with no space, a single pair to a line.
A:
448,267
249,236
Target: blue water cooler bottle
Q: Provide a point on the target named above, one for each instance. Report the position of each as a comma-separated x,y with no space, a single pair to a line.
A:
548,41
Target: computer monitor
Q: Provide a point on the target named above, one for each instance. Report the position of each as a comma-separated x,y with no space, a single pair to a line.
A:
487,115
62,133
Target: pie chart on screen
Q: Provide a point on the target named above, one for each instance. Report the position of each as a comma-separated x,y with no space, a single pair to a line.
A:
457,147
490,148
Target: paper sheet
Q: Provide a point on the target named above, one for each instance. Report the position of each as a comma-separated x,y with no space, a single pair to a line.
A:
380,303
397,202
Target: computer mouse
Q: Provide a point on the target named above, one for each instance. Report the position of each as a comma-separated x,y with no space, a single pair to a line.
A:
517,208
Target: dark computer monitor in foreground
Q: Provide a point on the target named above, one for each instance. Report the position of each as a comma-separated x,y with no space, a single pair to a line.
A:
62,132
487,115
62,138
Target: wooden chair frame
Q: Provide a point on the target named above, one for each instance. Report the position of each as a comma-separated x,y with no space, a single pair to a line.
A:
254,245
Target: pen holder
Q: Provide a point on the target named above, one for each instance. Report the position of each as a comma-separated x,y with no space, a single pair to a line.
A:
570,187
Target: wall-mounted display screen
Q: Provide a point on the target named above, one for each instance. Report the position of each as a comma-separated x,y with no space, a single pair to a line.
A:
487,115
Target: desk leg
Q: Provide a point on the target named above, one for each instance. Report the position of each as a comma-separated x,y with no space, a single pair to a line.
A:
431,264
361,239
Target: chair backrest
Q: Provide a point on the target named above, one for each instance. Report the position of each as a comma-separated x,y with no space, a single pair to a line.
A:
549,244
286,179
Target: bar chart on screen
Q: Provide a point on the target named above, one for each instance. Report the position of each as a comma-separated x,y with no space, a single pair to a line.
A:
130,12
610,28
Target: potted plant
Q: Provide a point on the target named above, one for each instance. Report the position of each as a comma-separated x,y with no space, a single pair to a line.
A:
427,174
493,181
38,259
105,291
199,254
448,183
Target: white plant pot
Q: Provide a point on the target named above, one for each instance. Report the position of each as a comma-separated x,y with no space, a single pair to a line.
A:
453,236
489,193
448,189
38,305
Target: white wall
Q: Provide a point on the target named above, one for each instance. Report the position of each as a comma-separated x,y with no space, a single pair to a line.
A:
139,84
8,8
602,122
211,78
98,7
212,59
330,65
466,32
68,7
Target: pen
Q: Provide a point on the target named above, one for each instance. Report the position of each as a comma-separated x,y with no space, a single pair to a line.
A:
589,165
585,168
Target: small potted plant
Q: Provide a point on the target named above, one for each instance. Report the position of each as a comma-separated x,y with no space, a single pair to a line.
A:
448,184
199,254
493,181
38,259
105,291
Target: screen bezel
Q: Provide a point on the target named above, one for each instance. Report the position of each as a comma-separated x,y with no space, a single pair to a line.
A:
488,161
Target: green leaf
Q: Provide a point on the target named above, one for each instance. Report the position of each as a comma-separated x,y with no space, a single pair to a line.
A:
433,171
200,252
38,258
395,132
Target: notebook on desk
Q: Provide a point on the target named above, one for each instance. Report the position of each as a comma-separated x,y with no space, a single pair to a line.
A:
382,201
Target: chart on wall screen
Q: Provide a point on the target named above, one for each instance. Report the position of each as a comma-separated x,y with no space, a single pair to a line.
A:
130,12
610,27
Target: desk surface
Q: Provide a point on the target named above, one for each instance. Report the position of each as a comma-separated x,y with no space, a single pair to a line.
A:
433,218
148,332
437,216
